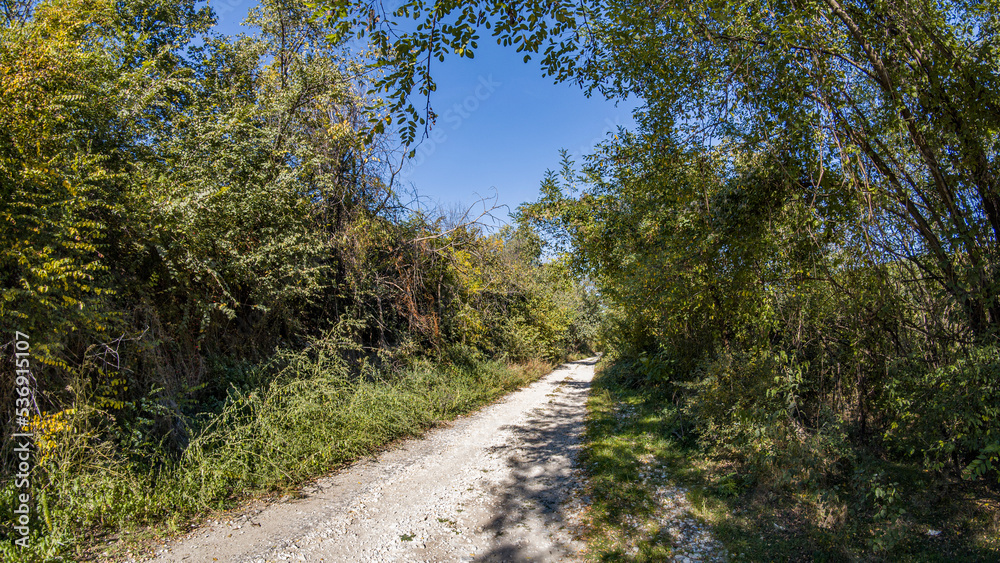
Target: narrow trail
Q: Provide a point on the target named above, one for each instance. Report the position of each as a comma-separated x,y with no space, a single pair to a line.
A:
497,485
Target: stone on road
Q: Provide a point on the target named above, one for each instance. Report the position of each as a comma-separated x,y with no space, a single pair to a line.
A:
498,485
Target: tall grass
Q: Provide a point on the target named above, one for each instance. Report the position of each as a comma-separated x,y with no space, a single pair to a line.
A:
318,411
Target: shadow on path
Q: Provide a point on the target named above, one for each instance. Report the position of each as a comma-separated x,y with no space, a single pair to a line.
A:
542,458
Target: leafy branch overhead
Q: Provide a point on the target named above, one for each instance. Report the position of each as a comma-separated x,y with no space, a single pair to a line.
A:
406,41
892,101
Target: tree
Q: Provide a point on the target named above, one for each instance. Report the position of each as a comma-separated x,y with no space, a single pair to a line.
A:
894,98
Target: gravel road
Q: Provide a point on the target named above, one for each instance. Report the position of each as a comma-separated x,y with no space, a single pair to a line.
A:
499,485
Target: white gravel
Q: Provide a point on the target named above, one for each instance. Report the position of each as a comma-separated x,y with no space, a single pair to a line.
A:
499,485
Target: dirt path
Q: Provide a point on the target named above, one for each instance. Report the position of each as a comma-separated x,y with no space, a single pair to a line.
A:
494,486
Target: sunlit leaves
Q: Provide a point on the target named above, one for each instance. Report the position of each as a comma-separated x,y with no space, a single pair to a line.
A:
55,185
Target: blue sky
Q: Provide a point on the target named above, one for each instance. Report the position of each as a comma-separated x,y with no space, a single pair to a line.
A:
500,125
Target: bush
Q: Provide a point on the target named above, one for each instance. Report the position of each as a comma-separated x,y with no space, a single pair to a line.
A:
748,406
948,416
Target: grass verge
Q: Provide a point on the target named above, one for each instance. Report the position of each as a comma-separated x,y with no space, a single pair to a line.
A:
97,500
638,445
